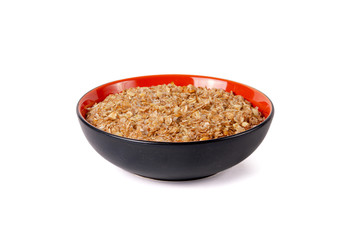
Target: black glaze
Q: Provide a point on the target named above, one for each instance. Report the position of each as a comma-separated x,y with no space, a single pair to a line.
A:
175,161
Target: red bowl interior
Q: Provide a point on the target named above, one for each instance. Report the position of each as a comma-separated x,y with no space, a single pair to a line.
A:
98,94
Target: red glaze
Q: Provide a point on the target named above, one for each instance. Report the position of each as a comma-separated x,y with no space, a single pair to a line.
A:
98,94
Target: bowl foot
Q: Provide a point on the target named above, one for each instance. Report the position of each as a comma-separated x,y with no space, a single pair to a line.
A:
176,179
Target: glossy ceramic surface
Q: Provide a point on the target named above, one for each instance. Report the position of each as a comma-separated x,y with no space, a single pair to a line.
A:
175,161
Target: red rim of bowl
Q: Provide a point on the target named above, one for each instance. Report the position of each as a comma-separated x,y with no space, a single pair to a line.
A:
266,107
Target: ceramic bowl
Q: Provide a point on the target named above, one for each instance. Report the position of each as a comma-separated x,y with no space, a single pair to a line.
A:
175,160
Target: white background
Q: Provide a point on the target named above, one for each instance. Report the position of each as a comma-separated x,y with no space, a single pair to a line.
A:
301,183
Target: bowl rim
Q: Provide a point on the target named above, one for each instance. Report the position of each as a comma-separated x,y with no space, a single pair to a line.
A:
269,117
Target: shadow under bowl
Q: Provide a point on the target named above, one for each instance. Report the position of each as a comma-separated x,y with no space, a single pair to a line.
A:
175,160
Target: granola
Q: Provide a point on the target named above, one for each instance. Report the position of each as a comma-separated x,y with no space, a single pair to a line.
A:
170,113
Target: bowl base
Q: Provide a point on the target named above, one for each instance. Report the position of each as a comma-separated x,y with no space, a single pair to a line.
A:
175,179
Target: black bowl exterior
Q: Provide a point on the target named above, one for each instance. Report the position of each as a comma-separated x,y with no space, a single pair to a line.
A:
176,161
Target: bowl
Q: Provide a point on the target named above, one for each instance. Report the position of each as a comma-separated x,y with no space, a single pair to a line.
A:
175,160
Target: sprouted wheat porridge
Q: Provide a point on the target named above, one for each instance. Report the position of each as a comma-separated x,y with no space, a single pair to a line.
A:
170,113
